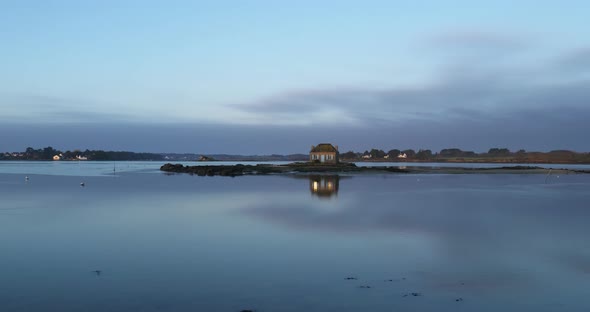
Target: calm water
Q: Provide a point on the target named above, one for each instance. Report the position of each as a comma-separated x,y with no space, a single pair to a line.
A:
274,243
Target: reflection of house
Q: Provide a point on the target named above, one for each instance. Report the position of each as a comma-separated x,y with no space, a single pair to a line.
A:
324,153
324,185
56,157
402,155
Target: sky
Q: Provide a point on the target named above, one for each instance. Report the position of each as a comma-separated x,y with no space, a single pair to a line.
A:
262,77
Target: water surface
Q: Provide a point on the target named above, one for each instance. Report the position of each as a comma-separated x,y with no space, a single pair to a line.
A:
275,243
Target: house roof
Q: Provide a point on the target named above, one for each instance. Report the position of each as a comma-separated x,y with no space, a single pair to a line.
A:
323,148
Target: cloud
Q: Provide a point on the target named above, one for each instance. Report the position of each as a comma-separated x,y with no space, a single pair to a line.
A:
479,97
477,39
34,108
576,61
535,106
540,128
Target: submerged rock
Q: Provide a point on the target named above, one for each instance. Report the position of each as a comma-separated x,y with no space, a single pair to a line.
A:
413,294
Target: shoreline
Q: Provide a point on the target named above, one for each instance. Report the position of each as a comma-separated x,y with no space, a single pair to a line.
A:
350,168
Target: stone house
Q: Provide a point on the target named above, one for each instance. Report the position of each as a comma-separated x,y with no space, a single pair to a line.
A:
324,153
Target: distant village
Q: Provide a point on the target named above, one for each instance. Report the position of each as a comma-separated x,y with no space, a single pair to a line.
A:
49,153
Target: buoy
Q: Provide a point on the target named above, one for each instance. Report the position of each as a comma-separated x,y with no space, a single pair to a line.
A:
82,184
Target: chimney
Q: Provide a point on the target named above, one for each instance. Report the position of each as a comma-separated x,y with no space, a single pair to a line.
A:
312,147
336,146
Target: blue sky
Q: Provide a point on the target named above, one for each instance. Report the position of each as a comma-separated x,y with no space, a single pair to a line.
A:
278,76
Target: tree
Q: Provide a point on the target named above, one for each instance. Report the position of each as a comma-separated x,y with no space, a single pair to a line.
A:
393,153
375,153
349,155
499,152
409,152
49,152
451,152
455,152
424,154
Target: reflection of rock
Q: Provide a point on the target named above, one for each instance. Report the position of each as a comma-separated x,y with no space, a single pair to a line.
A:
324,185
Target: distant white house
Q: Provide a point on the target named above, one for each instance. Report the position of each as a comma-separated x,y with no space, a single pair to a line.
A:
56,157
402,155
78,157
367,156
386,157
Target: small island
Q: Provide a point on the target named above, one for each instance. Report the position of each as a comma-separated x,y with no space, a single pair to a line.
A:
350,168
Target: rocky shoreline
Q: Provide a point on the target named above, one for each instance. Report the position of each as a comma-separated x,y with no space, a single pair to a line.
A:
349,168
262,169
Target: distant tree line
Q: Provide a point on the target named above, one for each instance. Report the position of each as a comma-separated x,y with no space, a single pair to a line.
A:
49,152
458,155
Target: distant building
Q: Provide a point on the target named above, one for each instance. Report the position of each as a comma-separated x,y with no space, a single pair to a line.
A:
386,156
78,157
402,155
56,157
367,156
204,158
324,153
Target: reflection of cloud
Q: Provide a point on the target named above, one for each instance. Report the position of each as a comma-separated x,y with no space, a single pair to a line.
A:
460,219
361,216
480,282
507,225
576,262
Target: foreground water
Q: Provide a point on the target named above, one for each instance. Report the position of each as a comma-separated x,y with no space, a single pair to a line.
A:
140,240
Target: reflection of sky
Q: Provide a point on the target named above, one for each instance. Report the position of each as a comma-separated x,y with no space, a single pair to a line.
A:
182,242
